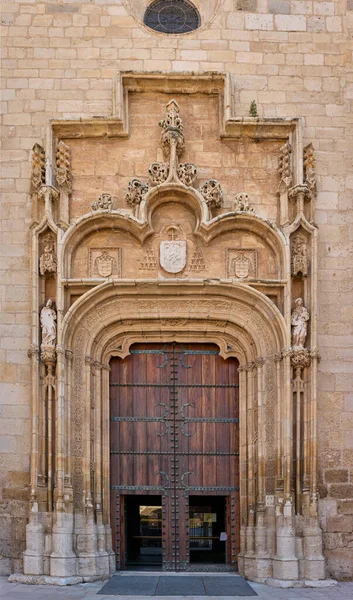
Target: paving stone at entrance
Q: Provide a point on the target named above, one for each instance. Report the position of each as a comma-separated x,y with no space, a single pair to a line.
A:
132,585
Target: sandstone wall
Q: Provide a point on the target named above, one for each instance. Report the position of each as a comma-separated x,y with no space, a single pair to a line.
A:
294,58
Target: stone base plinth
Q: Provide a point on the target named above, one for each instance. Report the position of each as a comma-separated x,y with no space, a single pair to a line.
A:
280,583
43,579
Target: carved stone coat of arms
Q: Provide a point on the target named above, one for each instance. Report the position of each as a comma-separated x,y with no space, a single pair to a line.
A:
173,256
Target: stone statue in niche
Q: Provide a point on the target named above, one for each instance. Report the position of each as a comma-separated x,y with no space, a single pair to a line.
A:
300,317
300,261
48,324
47,261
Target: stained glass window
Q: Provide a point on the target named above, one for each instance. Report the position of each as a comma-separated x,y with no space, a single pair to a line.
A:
172,16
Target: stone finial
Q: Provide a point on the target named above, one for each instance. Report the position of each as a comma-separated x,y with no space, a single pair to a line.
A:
299,260
172,126
300,317
241,203
135,193
63,166
284,165
309,168
38,168
104,202
48,260
187,173
212,193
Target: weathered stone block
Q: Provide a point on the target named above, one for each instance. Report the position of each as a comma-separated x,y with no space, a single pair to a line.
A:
341,490
336,476
340,524
279,7
247,5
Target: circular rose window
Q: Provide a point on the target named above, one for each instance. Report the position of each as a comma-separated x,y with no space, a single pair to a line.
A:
172,16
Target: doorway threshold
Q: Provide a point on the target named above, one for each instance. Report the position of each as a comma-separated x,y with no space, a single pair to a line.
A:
176,584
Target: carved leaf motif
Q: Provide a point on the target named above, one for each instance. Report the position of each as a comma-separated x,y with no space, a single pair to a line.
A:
284,165
241,203
63,166
187,173
158,172
212,193
104,202
38,167
135,192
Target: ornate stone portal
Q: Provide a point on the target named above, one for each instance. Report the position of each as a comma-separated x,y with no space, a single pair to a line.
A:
167,269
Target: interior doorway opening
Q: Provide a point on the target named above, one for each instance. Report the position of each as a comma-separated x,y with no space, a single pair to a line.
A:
207,529
143,523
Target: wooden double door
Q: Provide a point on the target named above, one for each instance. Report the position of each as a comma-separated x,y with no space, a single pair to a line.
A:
175,456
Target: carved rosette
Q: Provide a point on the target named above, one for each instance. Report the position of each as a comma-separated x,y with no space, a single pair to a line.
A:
63,166
309,169
136,192
104,202
299,259
38,168
158,173
241,203
212,193
187,173
284,166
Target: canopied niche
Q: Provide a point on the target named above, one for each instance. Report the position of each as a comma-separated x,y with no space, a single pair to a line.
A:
173,264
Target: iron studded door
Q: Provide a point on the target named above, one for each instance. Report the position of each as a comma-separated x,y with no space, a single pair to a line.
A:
174,432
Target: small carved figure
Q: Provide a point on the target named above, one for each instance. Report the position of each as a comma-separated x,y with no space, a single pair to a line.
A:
48,324
241,203
104,202
300,261
300,317
47,261
212,193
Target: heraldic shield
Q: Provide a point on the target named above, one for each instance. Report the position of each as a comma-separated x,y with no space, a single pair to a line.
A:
173,256
105,264
242,266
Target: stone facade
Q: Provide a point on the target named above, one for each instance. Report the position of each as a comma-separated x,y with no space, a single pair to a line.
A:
80,124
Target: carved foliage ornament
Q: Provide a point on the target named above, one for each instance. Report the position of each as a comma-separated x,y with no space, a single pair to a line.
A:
299,262
300,317
48,260
104,202
172,126
158,173
187,173
38,167
309,168
136,192
212,193
63,166
284,165
241,203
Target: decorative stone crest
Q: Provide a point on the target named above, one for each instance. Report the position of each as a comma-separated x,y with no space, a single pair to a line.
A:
38,168
300,317
212,193
63,166
172,126
241,263
299,262
172,254
284,165
48,325
187,173
104,202
197,262
309,168
149,262
48,260
241,203
105,264
136,192
158,173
